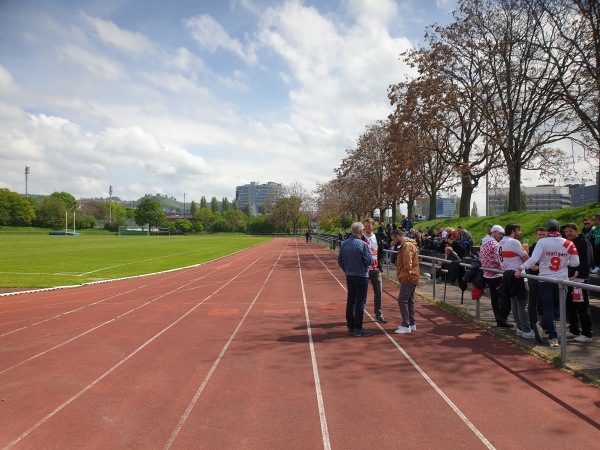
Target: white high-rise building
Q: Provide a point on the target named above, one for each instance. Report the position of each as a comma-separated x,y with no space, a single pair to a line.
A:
257,195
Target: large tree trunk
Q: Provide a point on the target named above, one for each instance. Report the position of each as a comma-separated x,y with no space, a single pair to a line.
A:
432,207
514,192
465,201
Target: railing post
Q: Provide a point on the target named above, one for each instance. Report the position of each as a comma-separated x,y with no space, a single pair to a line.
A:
432,269
563,322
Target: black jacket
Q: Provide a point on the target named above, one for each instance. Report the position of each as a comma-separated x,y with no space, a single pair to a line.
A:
511,286
475,276
586,256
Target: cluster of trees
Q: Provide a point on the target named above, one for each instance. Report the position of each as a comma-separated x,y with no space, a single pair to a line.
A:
50,211
493,94
287,213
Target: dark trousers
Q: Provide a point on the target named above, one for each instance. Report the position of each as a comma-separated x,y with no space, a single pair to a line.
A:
375,277
549,298
532,308
357,298
579,313
500,303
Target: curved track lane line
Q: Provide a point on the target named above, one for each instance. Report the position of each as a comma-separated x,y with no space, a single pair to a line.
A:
123,361
441,393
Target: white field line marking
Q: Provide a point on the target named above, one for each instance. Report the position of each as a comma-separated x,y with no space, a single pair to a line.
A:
253,248
194,400
313,358
441,393
123,361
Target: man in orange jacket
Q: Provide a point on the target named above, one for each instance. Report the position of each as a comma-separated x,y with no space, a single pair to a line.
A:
407,271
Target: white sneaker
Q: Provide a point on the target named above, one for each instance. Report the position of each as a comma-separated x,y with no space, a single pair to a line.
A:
402,330
519,332
595,270
413,328
427,275
553,342
529,335
571,335
583,338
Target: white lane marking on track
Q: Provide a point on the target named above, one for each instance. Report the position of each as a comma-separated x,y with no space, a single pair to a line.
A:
180,288
13,331
194,400
124,360
171,274
313,358
441,393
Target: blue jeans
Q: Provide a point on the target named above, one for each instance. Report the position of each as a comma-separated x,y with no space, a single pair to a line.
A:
549,298
357,299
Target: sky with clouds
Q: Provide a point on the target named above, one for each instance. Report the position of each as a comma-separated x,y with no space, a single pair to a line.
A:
194,97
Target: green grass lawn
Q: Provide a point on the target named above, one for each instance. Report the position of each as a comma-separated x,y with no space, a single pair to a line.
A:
36,261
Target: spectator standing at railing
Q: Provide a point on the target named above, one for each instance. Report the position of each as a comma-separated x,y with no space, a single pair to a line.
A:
554,254
534,305
408,273
354,259
512,255
587,228
578,301
376,248
490,258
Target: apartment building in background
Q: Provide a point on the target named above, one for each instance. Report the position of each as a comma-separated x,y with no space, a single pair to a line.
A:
257,195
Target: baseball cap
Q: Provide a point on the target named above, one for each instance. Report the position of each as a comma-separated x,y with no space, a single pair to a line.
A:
497,228
552,225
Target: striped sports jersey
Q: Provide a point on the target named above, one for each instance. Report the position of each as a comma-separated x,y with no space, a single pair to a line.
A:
554,255
510,251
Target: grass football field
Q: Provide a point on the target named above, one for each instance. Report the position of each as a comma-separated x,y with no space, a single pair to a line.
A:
38,261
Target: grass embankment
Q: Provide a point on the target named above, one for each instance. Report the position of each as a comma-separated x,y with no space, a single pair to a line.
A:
36,261
529,221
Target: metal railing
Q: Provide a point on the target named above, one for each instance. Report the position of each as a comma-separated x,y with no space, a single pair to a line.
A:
562,284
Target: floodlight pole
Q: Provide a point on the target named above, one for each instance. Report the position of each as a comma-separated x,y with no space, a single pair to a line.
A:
110,191
26,173
184,205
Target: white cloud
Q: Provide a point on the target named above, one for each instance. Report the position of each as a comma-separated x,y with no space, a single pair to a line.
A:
212,36
93,63
7,84
126,41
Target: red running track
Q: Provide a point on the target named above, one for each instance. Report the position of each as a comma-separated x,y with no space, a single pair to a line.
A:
250,351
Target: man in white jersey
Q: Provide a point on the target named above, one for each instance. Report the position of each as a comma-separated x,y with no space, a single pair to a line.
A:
376,248
512,255
553,254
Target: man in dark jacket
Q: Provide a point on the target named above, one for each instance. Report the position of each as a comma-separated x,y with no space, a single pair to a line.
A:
578,302
354,259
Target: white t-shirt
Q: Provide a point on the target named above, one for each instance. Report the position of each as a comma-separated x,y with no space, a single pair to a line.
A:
554,254
373,250
510,251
